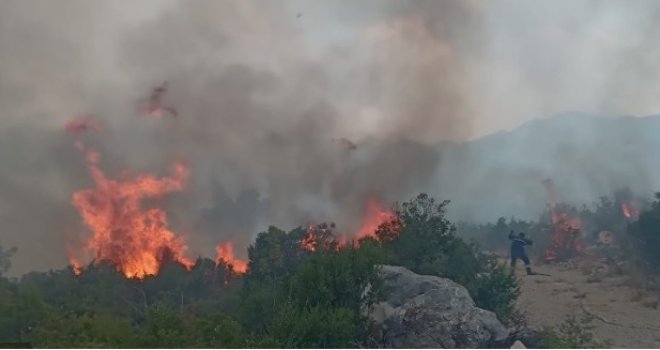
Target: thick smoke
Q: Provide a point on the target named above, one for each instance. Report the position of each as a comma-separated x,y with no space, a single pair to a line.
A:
265,90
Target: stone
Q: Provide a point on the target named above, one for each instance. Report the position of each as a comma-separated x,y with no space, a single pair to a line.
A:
431,312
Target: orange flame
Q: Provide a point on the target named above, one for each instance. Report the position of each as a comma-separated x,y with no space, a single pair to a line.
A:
376,215
76,266
628,210
134,240
565,237
225,253
309,243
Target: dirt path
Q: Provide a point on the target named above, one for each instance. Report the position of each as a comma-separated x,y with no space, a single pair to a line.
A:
624,316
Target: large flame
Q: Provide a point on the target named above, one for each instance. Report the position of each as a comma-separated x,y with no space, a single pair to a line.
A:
135,240
375,216
225,253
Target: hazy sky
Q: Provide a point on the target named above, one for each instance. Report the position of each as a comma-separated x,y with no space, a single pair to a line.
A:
263,87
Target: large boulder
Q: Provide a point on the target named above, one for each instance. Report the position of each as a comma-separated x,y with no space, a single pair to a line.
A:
431,312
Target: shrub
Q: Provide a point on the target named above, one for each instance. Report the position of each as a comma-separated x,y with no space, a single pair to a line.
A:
572,333
427,243
645,239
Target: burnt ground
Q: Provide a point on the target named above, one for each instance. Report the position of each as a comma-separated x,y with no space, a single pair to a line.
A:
624,315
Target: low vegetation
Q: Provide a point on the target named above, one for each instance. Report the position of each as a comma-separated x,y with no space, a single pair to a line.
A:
572,333
290,297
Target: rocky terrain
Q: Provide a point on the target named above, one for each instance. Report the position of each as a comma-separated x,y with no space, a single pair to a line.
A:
431,312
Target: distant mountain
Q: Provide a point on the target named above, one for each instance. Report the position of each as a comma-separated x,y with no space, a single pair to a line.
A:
586,156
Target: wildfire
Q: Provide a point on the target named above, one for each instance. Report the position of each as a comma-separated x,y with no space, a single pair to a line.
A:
309,243
136,241
376,215
225,253
75,266
565,240
629,211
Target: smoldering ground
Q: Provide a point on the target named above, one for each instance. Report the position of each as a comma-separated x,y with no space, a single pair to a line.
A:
262,92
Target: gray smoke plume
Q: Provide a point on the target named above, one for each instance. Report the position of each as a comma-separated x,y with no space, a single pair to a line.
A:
264,91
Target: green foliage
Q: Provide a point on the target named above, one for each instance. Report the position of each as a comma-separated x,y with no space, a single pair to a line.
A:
315,327
427,243
496,289
64,330
293,295
20,311
572,333
307,298
645,238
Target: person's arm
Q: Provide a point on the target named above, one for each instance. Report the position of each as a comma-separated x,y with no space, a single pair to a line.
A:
511,235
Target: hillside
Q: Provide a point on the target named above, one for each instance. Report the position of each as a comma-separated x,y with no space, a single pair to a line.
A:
586,156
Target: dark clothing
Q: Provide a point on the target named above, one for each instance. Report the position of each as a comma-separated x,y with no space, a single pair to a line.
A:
518,245
524,258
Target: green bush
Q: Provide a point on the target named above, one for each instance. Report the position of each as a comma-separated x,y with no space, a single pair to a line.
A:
572,333
314,302
290,296
644,238
424,241
496,289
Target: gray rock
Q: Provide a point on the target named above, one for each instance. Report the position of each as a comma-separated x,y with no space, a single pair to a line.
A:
431,312
518,345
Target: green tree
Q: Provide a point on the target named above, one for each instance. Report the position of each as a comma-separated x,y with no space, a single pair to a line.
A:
644,237
87,330
424,241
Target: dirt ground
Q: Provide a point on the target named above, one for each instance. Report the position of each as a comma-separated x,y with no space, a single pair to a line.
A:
626,316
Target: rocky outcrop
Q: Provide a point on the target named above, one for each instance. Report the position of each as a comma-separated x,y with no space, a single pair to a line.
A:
431,312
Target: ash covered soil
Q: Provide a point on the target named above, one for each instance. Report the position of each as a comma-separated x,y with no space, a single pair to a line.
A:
624,314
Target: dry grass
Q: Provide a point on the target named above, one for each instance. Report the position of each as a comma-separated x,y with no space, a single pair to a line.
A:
650,301
580,296
637,295
594,279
